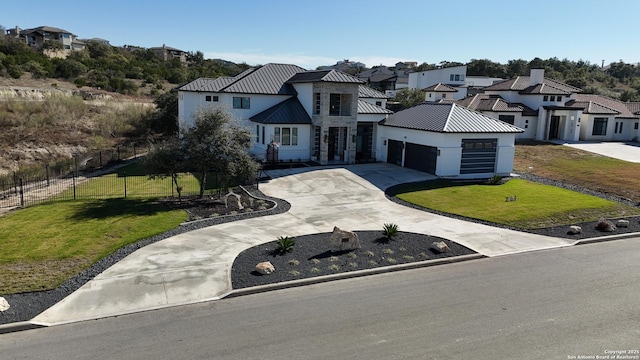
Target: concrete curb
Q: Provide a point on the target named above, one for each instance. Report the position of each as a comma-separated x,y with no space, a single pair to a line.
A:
350,275
606,238
18,326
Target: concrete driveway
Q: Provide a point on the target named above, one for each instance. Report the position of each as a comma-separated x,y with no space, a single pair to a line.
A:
195,266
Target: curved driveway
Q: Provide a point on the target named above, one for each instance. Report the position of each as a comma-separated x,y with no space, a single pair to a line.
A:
195,266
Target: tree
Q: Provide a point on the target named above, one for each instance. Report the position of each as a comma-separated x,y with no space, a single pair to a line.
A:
409,97
166,160
216,142
165,119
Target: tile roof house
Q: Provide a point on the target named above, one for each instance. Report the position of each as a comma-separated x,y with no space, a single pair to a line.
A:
552,110
168,53
41,35
329,116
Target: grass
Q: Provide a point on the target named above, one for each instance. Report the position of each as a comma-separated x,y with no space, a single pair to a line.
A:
536,205
42,246
580,168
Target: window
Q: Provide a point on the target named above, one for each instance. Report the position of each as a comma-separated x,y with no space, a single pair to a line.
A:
286,136
257,133
340,104
559,98
263,135
316,103
635,126
618,130
545,98
444,96
599,126
457,77
241,102
378,103
509,119
210,98
552,98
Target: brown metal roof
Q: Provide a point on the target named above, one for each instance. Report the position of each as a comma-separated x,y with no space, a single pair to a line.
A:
495,103
367,108
440,87
522,84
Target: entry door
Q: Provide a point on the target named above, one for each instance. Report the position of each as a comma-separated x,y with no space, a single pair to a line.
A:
554,127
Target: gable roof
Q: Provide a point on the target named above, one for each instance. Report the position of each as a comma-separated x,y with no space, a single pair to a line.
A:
269,79
334,76
367,108
634,107
495,103
598,104
50,29
440,87
367,92
289,111
522,84
447,118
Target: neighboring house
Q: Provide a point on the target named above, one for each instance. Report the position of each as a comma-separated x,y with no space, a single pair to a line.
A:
452,76
39,36
516,114
167,53
331,117
439,91
559,111
383,78
448,140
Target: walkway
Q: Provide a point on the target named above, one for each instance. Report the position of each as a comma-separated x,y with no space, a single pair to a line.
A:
627,151
195,266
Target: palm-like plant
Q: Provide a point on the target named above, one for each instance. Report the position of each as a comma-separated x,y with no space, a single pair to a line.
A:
285,244
390,231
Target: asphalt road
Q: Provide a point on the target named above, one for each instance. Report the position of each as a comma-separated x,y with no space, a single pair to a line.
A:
553,304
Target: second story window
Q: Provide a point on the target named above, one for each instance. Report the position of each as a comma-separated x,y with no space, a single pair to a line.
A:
210,98
340,104
316,103
241,102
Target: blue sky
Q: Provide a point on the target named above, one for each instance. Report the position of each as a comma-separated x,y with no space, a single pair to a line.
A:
310,33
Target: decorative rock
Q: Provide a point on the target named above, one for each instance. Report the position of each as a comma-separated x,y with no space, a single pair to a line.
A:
440,247
238,204
622,223
4,304
341,240
265,268
575,229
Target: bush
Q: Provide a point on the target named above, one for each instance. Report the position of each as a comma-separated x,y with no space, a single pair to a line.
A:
605,225
285,244
390,231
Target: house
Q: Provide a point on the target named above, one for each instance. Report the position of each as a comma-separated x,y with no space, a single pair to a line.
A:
453,77
448,140
552,110
167,53
39,36
439,91
329,116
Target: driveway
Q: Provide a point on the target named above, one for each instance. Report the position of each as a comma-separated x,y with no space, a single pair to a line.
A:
195,266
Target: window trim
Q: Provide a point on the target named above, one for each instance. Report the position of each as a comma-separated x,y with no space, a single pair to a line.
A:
599,126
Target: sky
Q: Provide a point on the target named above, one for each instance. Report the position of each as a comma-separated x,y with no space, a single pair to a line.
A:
311,33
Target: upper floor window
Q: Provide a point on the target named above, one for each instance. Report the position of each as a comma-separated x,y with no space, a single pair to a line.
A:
559,98
509,119
340,104
378,103
210,98
316,103
552,98
545,98
241,102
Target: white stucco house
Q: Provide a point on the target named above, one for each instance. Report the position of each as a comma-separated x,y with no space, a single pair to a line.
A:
328,116
550,110
453,77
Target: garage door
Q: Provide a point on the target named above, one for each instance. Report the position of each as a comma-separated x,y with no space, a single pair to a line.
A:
421,157
478,156
394,152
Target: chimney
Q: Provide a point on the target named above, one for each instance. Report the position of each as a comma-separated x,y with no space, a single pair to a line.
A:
536,77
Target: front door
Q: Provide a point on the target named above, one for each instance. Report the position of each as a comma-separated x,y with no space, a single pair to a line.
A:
554,127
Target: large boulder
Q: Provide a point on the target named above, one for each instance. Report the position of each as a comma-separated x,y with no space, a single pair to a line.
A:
440,246
4,304
265,268
343,240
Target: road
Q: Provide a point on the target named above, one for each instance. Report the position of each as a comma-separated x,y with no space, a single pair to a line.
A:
552,304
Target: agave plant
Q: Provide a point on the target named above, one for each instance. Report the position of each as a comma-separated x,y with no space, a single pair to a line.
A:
390,231
285,244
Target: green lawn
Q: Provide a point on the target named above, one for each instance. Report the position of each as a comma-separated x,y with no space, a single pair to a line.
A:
536,205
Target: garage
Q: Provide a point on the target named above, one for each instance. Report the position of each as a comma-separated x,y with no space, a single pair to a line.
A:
478,156
421,157
394,152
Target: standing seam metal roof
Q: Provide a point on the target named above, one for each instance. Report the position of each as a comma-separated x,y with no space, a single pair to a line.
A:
367,108
289,111
324,75
447,118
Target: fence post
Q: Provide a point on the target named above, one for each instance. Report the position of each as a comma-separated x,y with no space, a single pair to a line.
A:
15,183
21,194
100,155
46,166
125,184
74,186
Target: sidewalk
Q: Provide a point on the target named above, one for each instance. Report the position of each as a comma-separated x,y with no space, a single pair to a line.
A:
195,266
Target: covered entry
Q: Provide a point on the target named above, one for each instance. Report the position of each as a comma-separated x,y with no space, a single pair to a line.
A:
478,156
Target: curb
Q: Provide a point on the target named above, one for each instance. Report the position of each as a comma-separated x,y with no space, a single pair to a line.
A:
18,326
350,275
607,238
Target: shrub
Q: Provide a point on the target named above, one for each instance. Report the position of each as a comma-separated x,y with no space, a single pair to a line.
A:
605,225
315,261
392,261
495,180
294,262
334,267
390,231
314,270
387,251
294,273
285,244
